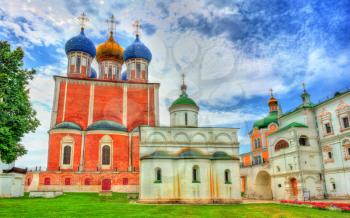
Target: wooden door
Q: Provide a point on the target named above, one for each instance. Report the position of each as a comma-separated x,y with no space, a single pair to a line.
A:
294,186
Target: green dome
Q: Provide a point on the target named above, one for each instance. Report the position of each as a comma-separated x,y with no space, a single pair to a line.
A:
67,125
107,125
220,155
184,100
190,154
265,122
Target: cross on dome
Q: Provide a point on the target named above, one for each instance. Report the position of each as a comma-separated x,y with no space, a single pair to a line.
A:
304,87
112,23
271,92
183,86
137,27
83,20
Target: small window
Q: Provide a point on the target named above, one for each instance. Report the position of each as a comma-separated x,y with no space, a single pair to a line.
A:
330,155
185,119
279,185
227,177
67,181
110,71
158,172
195,174
257,143
290,167
138,70
278,169
320,176
328,128
28,181
87,181
345,122
334,187
78,64
125,181
47,181
67,154
106,155
303,141
349,151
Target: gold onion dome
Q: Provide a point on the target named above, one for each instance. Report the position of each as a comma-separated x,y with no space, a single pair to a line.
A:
272,100
109,50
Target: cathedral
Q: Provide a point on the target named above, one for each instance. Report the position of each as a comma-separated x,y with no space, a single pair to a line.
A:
105,134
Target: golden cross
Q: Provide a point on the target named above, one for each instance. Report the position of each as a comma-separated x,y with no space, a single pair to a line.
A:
137,27
83,19
112,22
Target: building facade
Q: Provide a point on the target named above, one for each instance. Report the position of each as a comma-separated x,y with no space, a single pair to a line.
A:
308,153
185,163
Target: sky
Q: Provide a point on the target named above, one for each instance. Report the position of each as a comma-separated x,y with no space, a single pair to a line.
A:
232,52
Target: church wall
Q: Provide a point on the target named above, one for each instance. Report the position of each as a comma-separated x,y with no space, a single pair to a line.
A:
138,106
60,100
55,150
108,103
120,152
76,104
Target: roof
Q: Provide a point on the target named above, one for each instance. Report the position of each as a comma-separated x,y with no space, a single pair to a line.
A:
107,125
137,50
16,170
311,105
291,125
183,99
81,43
272,117
67,125
189,154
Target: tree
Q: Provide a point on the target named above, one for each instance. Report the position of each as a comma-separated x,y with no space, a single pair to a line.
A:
17,116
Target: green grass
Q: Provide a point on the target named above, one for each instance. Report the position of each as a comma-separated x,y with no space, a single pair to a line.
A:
92,205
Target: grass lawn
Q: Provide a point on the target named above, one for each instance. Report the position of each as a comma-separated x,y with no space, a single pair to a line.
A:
92,205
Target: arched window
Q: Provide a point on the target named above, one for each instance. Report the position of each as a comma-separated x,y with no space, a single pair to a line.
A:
158,175
227,177
278,169
67,150
195,174
106,155
303,141
330,155
281,145
78,64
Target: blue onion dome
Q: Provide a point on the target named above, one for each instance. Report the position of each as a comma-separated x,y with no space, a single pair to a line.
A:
124,76
137,50
81,43
93,74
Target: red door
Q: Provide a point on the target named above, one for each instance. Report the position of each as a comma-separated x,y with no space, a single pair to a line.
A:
106,185
294,186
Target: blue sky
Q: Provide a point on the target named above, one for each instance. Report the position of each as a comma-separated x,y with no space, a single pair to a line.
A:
232,52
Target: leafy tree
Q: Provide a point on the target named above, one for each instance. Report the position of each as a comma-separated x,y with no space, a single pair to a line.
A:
17,116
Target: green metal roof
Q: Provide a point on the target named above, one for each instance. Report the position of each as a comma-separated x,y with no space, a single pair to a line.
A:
265,122
291,125
67,125
220,155
184,100
107,125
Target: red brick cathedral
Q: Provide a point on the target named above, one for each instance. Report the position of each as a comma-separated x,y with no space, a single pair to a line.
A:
94,139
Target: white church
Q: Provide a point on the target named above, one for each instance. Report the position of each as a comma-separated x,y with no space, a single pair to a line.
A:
185,163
